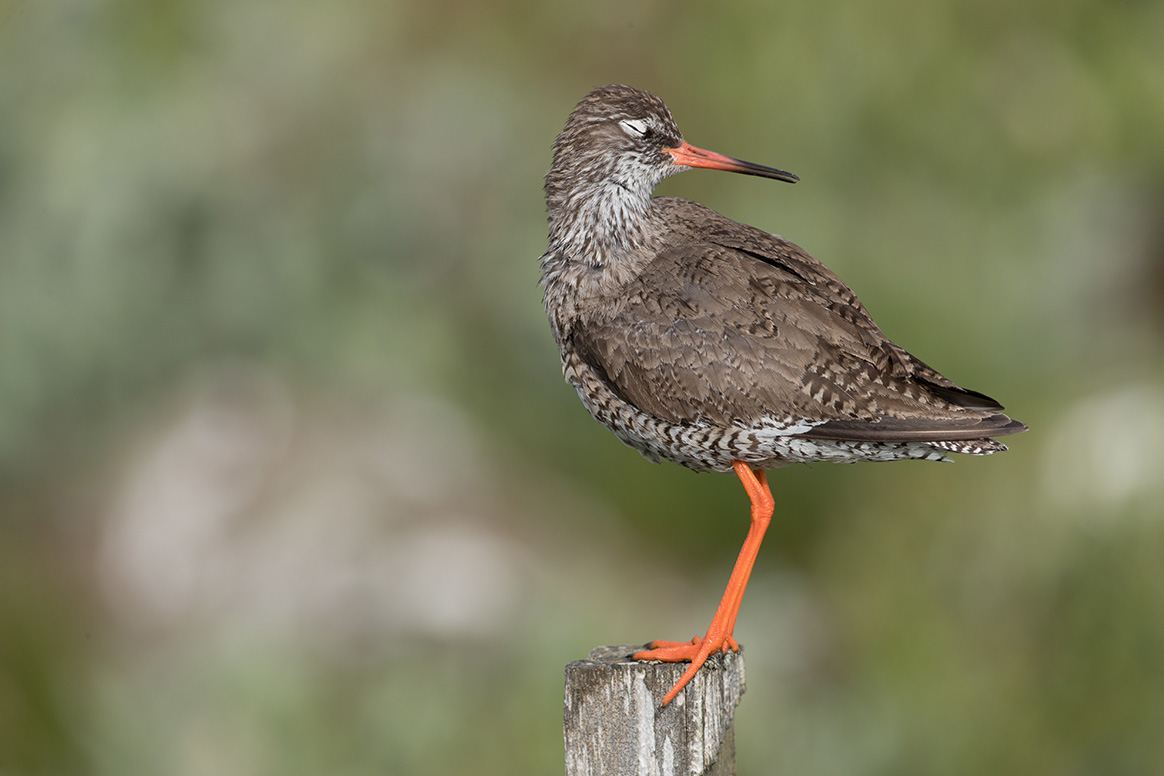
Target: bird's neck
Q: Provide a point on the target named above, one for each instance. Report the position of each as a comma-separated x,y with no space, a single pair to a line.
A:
594,219
600,240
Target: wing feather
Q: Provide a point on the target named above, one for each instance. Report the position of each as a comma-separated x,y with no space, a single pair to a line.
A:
746,334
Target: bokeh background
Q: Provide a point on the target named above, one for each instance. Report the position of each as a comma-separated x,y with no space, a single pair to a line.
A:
289,478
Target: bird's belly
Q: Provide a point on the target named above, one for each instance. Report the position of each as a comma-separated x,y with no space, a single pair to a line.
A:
715,448
698,446
703,446
708,447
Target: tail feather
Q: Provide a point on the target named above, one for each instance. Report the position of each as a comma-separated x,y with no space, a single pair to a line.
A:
918,429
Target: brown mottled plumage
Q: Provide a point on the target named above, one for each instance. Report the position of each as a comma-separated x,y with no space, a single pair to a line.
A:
716,345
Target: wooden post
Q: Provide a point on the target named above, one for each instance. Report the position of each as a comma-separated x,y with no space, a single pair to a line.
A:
614,725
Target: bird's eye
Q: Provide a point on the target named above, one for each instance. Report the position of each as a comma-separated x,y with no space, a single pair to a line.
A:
635,127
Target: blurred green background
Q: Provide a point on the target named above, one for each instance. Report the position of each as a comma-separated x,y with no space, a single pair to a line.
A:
289,478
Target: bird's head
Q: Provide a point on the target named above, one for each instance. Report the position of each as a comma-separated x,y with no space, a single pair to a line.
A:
626,138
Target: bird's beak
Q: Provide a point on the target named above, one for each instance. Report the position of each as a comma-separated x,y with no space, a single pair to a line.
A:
689,156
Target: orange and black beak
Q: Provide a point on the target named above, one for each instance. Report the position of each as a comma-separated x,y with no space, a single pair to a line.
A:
688,155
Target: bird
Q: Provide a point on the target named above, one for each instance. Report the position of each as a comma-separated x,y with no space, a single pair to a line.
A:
715,345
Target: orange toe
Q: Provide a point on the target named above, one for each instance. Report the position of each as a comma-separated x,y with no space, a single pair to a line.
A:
679,651
697,651
670,651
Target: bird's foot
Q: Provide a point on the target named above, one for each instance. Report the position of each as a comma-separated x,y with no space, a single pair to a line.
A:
679,651
697,651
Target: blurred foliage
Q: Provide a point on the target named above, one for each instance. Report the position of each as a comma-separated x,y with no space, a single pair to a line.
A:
276,263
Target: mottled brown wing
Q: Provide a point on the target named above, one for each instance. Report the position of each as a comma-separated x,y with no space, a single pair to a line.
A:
829,290
734,336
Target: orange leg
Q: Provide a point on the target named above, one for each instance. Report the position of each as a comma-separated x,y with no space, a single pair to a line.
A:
719,633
